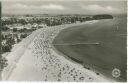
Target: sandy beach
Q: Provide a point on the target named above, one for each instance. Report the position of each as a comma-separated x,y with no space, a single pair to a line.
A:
34,59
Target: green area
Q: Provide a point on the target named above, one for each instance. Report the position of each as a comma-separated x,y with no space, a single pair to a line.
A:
110,53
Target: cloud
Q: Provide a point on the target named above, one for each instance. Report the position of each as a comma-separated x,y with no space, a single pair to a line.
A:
42,7
20,6
53,7
98,8
63,7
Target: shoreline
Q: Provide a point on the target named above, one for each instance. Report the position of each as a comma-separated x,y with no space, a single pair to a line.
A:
18,59
78,62
88,66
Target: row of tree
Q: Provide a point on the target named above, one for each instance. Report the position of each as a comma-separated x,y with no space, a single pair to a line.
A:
49,21
9,41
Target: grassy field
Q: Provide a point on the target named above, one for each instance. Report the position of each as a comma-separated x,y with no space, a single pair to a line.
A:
109,54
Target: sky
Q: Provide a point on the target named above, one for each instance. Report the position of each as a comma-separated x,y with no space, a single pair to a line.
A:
64,6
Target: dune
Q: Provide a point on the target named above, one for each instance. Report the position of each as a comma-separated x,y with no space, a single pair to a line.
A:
34,59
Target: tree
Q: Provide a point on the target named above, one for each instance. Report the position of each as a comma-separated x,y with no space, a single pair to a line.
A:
23,35
14,29
3,63
5,28
88,18
6,48
102,16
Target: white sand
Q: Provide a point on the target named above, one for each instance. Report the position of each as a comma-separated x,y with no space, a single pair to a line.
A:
34,59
